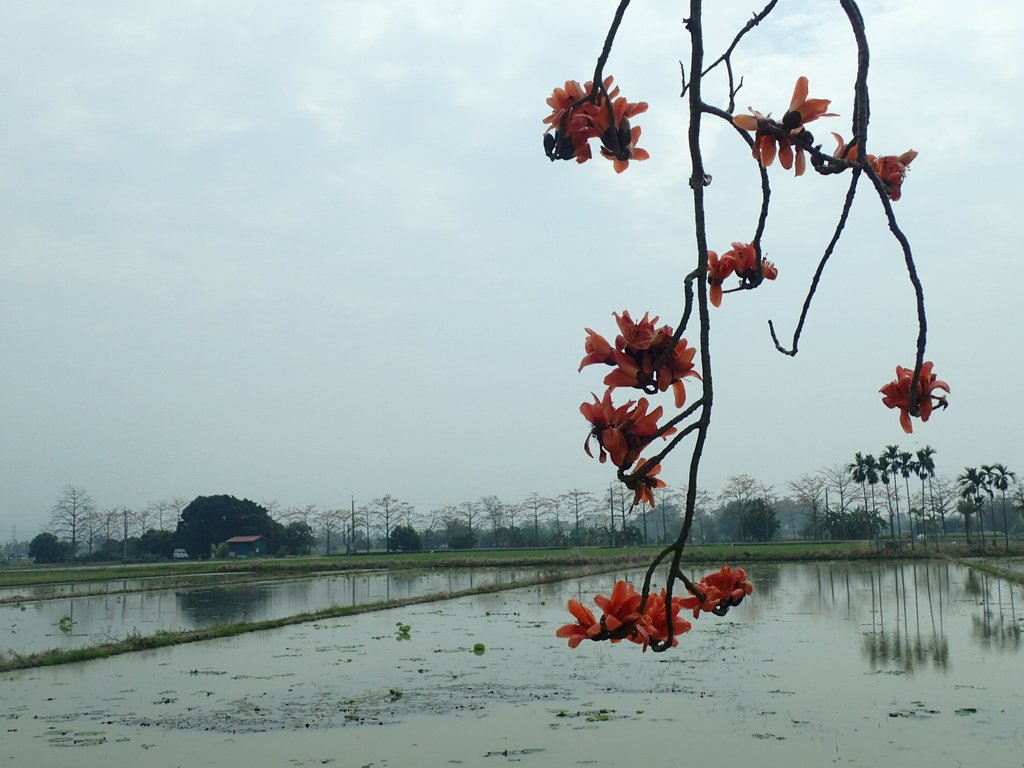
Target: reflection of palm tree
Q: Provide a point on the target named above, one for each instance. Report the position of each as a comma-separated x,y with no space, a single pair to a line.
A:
972,484
999,478
926,471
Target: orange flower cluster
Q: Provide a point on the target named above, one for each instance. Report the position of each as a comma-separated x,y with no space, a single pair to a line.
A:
644,480
722,590
896,394
621,432
644,357
623,619
576,118
891,169
639,348
741,259
770,136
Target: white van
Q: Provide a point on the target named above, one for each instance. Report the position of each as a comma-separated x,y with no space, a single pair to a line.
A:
180,554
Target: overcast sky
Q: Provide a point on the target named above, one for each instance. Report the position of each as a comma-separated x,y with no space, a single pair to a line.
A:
311,251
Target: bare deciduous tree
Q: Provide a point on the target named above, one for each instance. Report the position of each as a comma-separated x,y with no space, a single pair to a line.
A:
69,514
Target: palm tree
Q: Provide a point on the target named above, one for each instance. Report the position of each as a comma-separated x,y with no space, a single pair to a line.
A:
883,475
859,474
972,485
908,467
873,469
926,471
891,459
999,477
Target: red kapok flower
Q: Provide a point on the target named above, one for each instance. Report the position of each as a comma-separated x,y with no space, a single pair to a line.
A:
643,481
677,367
618,137
744,256
768,140
803,110
586,626
607,424
722,590
572,128
656,619
598,350
635,334
621,608
719,270
622,432
646,357
766,143
604,116
843,150
892,170
896,394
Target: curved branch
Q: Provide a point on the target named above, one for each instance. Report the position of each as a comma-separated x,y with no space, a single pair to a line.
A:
850,193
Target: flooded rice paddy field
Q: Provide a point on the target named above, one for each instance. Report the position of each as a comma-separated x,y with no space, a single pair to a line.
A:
826,664
112,614
29,593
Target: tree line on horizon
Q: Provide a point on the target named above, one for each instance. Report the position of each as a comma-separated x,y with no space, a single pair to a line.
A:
868,498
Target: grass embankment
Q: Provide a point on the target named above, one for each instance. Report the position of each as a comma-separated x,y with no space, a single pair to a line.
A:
256,570
992,570
136,642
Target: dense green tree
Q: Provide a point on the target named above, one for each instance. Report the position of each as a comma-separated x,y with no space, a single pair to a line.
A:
47,548
403,538
296,539
758,520
864,524
465,539
158,543
211,520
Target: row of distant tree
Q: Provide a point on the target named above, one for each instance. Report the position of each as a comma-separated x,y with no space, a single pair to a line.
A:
941,502
898,494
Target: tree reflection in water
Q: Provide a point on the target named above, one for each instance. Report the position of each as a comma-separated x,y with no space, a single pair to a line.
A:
212,607
915,606
996,627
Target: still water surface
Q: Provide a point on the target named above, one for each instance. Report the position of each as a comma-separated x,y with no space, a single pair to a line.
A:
35,625
826,664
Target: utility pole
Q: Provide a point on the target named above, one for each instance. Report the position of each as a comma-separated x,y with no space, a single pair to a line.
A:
611,510
124,540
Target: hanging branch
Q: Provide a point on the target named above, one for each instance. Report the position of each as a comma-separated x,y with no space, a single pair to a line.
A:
656,359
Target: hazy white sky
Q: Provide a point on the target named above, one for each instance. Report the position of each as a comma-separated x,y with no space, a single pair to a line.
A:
311,251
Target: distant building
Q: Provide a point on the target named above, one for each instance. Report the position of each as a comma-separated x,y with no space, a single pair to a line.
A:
247,546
